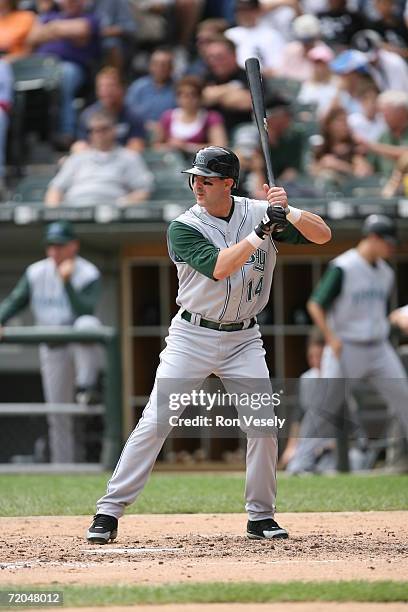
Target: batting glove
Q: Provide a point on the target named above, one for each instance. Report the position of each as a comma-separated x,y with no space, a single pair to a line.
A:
274,217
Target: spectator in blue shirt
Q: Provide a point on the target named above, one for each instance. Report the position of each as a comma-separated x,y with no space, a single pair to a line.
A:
72,35
6,93
153,94
110,94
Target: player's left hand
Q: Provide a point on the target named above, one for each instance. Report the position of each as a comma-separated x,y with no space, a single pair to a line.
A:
276,195
66,269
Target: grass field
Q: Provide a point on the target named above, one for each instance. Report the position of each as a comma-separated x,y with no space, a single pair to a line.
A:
36,495
243,592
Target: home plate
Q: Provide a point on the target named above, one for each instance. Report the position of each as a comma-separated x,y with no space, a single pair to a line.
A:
131,551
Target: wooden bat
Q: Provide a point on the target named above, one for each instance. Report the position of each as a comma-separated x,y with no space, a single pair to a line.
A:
254,77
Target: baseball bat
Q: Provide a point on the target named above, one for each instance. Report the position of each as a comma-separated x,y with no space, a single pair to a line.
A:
254,77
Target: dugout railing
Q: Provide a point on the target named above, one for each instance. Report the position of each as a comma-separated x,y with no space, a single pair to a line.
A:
111,409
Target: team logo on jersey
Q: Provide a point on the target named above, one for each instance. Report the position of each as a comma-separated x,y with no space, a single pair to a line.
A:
258,260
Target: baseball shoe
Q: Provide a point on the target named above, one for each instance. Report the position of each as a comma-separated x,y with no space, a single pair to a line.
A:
265,530
103,529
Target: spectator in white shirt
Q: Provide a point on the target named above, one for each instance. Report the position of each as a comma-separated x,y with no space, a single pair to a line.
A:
102,174
321,88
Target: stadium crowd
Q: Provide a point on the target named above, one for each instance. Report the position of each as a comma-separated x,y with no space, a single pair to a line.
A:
168,75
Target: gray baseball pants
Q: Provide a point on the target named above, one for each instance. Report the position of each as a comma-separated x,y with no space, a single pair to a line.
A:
191,355
63,368
376,362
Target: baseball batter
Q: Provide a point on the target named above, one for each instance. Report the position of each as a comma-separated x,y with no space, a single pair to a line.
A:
350,308
62,289
224,252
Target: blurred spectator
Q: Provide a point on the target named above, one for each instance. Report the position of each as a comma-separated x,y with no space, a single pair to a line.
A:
252,172
338,158
73,36
6,93
45,6
102,174
295,64
369,123
352,68
338,24
393,144
15,26
287,141
279,15
118,30
391,27
254,39
226,89
397,184
151,95
207,30
190,127
321,88
110,94
388,69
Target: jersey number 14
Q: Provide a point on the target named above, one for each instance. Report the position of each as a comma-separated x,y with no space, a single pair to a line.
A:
254,290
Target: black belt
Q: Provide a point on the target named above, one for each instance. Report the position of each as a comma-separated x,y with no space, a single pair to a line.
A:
228,327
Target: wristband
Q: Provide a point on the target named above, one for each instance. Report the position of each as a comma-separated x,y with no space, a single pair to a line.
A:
254,239
294,214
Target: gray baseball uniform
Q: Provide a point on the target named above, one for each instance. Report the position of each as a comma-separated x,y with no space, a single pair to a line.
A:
215,331
62,366
354,294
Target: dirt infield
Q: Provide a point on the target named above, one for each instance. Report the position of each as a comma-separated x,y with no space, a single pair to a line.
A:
155,549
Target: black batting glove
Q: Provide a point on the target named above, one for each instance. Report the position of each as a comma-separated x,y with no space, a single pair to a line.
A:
274,217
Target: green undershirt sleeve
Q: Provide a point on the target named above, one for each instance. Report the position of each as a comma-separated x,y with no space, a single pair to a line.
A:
188,245
84,301
290,235
328,288
18,299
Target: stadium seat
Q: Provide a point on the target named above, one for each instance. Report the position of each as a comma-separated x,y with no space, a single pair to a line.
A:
31,189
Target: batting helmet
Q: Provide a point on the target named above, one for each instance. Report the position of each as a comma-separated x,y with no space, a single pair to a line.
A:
381,226
216,162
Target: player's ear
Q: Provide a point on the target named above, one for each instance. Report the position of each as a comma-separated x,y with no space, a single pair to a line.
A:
229,183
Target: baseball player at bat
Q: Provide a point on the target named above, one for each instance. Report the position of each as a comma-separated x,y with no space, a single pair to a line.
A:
225,257
350,307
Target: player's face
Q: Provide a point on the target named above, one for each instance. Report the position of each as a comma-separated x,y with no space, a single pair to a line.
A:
61,252
385,249
210,191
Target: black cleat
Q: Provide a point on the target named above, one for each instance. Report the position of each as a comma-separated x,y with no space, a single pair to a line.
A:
265,530
103,529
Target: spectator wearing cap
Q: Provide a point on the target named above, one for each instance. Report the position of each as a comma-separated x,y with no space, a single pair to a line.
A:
252,38
110,94
149,96
295,63
339,24
338,157
393,144
252,166
102,173
226,85
63,289
72,35
321,88
6,93
190,126
388,69
15,26
352,68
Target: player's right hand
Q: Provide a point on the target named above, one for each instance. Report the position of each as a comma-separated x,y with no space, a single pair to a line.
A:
275,216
